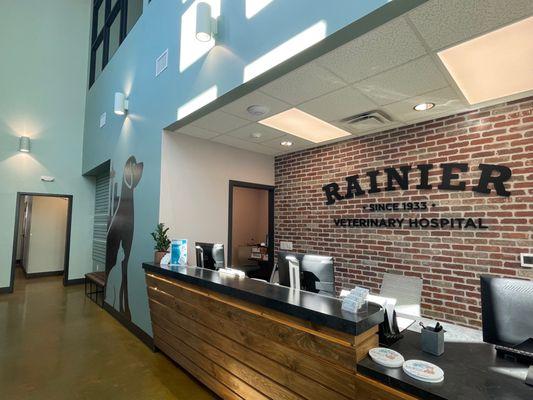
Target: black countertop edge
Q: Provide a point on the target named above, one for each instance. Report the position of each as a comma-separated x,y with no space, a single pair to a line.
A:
312,307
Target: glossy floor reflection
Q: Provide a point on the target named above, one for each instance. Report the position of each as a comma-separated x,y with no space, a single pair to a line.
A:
56,344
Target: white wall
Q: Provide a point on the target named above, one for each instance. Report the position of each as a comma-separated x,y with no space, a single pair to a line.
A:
47,234
195,175
43,83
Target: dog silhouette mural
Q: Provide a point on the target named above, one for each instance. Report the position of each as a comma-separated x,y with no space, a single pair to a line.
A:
121,228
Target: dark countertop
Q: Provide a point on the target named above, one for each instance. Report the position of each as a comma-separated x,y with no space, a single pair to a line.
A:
472,371
312,307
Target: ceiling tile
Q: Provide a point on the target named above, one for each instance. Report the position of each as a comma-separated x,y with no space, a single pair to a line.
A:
446,101
241,144
443,23
246,132
200,133
220,122
238,107
408,80
304,84
337,105
383,48
297,144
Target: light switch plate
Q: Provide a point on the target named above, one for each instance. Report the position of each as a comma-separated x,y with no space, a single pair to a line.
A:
285,245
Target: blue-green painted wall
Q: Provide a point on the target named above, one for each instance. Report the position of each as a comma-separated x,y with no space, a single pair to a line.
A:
154,101
43,84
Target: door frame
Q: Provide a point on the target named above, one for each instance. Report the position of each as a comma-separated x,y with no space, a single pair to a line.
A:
271,193
69,198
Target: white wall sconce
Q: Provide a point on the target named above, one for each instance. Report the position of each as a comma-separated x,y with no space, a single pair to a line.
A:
206,25
24,144
121,104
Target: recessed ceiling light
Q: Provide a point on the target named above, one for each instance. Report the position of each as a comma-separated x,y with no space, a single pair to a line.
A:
424,106
256,135
303,125
257,110
286,143
494,65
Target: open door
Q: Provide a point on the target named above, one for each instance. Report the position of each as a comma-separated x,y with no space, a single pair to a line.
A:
41,240
251,228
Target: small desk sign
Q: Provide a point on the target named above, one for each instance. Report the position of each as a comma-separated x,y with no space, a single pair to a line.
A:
526,260
178,252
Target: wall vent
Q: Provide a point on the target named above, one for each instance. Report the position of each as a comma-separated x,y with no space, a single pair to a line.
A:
161,63
365,121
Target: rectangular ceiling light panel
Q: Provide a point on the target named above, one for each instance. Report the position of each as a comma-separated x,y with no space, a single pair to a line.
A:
495,65
303,125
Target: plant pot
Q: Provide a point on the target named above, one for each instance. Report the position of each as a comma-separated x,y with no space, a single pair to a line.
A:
158,255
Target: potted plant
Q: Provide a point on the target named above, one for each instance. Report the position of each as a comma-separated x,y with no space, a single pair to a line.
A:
162,242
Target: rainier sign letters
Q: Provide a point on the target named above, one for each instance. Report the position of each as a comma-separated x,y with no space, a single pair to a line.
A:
493,177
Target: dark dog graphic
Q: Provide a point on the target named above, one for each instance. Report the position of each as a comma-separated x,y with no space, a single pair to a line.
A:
121,228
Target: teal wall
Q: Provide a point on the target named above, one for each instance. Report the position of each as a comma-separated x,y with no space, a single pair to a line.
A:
43,84
154,101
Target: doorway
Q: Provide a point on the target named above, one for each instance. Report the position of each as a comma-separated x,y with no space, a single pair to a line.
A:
41,240
251,228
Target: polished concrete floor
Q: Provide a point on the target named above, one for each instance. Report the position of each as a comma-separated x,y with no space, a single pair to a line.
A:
56,344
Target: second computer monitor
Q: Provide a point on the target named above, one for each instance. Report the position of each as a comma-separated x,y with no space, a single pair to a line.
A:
316,272
210,255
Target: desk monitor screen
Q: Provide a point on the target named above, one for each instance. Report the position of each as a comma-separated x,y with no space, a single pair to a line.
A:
317,274
210,255
507,311
283,267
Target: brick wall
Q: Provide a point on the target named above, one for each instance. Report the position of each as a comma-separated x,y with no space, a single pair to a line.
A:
448,260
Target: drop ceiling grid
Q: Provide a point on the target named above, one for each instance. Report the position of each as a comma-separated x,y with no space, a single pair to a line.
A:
394,55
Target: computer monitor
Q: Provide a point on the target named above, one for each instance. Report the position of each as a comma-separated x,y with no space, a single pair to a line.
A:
283,267
210,255
316,272
507,310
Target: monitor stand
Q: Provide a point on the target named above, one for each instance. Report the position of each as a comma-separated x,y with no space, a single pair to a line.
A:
529,377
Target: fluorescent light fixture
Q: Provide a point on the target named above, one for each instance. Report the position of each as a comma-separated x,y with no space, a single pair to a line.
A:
303,125
286,143
494,65
24,144
121,104
424,106
206,25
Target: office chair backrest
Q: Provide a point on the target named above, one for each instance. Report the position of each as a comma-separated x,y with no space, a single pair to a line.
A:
407,290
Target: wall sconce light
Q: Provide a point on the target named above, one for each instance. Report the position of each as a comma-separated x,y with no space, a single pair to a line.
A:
121,104
24,144
206,25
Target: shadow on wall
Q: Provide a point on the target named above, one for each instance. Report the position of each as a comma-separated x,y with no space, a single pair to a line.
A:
121,228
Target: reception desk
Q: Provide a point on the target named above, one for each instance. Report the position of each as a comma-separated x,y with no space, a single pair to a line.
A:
247,339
